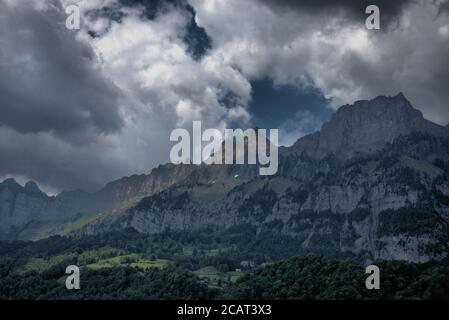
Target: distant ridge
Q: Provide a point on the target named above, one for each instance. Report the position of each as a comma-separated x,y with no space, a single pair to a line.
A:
365,127
362,128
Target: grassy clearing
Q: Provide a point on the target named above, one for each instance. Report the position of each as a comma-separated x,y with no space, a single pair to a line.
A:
235,275
145,264
189,251
91,256
421,166
131,260
215,278
215,190
217,252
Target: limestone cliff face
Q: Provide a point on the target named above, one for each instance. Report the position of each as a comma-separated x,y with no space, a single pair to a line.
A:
365,127
370,209
373,183
28,213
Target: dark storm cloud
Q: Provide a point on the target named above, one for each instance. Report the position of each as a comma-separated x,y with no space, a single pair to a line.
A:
354,9
54,102
64,125
443,7
53,163
48,82
299,42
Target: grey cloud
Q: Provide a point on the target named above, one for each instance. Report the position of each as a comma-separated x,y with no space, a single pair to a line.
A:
52,162
354,10
58,114
65,126
412,62
61,165
345,60
60,123
48,81
443,6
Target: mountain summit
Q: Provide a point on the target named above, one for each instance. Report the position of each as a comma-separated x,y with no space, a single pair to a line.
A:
366,126
373,183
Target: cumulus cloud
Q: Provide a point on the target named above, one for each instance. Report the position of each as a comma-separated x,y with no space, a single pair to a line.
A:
49,81
349,9
345,60
81,108
304,122
97,106
56,164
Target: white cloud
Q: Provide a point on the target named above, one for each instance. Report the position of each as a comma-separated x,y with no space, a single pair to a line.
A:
149,61
303,123
159,86
342,58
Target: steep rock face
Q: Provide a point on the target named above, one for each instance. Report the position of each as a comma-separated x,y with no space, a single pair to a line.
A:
136,187
8,191
390,205
139,186
365,127
384,198
28,213
17,205
373,183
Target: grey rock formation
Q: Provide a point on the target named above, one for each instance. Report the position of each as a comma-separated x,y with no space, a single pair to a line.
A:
365,127
372,183
28,213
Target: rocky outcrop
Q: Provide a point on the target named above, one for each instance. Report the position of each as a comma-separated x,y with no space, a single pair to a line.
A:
372,183
365,127
28,213
372,209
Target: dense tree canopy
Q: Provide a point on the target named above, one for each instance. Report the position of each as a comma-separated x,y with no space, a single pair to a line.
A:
201,265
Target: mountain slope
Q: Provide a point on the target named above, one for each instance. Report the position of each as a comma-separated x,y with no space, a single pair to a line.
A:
28,213
373,183
365,127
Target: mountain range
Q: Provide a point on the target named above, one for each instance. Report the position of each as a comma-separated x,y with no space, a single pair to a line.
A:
373,183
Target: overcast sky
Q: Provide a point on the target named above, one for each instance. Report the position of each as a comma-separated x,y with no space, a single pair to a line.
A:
81,108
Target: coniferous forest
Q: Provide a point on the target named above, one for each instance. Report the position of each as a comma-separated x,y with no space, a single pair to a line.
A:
179,265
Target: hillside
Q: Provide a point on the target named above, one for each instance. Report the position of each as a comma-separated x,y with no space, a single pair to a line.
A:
386,201
128,265
372,184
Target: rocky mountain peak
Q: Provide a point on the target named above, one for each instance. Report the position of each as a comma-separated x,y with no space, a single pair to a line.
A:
366,126
32,188
10,183
383,108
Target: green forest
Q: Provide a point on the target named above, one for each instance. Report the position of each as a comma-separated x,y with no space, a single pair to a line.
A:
207,264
